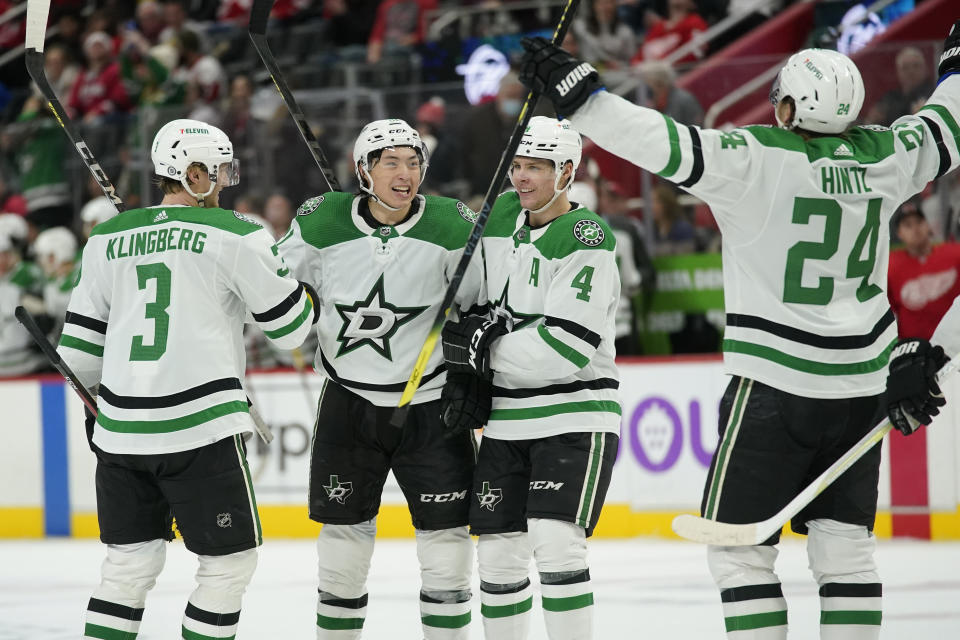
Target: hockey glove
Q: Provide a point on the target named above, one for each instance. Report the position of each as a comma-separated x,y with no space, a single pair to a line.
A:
466,344
950,60
89,420
549,70
913,396
314,299
465,402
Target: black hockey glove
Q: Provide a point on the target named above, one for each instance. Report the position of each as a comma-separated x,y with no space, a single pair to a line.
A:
314,298
89,420
466,345
950,60
465,402
550,71
913,395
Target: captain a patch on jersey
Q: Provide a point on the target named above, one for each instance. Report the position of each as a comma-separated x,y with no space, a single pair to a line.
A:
588,232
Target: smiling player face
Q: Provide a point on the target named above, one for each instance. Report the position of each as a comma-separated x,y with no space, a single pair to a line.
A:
396,176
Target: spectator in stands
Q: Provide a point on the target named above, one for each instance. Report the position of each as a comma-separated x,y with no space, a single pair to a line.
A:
56,253
98,93
923,278
665,35
39,148
603,39
486,131
60,69
176,18
672,232
237,119
916,85
666,97
150,22
147,71
200,71
398,27
249,203
429,123
349,25
279,213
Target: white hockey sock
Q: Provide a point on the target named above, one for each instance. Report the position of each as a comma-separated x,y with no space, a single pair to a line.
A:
506,610
755,612
445,619
107,619
850,611
567,604
340,618
201,624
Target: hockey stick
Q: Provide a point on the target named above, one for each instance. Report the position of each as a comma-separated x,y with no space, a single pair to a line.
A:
400,413
41,339
707,531
37,13
259,14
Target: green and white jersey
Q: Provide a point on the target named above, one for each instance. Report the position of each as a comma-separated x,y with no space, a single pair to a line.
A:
18,356
380,288
947,334
805,227
157,317
554,372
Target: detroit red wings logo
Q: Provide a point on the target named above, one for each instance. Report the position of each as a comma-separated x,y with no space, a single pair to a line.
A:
918,292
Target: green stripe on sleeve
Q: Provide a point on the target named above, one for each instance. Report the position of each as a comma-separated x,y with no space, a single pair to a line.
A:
193,635
569,603
174,424
851,617
809,366
756,621
81,345
947,118
506,610
674,140
293,326
587,406
446,622
563,348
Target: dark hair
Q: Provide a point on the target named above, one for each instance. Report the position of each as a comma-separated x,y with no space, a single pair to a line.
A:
189,42
593,26
170,186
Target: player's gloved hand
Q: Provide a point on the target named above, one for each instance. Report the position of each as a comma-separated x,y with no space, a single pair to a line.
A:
950,60
550,71
913,395
465,402
466,344
314,298
88,421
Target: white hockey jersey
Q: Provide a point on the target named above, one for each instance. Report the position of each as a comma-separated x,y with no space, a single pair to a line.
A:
554,372
947,334
805,228
18,355
380,288
157,317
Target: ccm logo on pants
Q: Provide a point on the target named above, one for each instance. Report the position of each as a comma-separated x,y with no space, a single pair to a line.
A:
443,497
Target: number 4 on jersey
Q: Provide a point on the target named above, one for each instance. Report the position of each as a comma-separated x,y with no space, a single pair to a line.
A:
582,282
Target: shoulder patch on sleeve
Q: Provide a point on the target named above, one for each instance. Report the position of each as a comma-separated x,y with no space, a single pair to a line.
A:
240,216
309,206
588,232
466,213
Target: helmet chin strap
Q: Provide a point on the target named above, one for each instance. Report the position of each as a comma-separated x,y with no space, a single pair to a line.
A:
199,197
556,190
374,196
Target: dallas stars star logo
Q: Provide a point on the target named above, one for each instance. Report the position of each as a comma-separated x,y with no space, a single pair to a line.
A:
520,320
372,321
337,490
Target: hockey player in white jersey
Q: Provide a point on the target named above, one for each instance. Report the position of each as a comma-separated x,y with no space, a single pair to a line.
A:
381,262
804,210
19,280
56,253
156,321
545,354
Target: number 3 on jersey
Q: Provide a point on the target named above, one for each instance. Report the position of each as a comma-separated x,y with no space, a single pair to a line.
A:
156,311
858,266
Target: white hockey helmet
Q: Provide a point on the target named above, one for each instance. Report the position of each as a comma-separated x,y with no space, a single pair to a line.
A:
385,134
826,88
14,226
180,143
98,210
555,140
58,242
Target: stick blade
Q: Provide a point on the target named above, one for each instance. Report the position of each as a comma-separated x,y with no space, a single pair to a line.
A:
697,529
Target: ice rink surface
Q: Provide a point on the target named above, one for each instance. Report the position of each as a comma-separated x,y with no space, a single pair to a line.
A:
644,589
